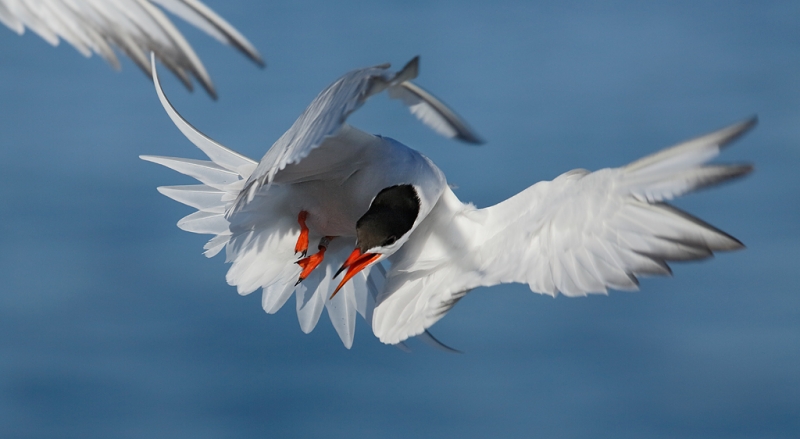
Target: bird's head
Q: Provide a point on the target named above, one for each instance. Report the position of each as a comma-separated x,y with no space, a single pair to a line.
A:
383,229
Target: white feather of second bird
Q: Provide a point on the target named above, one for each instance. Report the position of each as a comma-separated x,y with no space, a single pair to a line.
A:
135,27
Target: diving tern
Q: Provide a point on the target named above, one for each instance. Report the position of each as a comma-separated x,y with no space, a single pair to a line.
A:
135,27
329,200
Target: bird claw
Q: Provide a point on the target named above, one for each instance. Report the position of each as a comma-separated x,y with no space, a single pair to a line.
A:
308,264
302,241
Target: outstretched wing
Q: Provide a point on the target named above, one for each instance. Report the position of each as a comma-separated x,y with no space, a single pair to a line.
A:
136,27
581,233
327,113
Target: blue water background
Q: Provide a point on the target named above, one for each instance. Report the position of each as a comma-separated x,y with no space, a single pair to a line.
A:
113,325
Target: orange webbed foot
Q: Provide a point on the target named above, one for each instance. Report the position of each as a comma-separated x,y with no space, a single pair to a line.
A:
308,264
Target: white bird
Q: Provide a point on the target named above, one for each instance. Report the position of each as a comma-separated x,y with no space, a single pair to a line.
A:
311,187
584,232
135,27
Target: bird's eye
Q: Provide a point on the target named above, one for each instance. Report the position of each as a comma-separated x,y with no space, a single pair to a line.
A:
389,241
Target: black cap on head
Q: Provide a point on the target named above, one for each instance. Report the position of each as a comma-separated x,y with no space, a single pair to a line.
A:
390,216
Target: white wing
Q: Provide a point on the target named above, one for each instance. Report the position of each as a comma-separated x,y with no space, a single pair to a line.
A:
578,234
135,27
328,112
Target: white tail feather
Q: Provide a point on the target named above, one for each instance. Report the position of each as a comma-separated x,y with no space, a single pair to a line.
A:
207,172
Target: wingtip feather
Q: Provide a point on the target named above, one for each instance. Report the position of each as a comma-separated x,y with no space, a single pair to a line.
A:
739,129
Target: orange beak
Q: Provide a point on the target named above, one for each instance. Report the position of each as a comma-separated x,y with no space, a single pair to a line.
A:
354,263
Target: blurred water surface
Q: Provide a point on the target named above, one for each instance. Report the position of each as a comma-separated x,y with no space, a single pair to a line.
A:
112,323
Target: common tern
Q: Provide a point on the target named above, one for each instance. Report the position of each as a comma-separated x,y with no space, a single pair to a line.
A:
135,27
309,192
368,200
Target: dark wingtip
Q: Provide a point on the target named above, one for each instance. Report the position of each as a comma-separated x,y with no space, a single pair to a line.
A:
256,58
409,71
413,63
745,169
428,338
740,129
470,138
732,243
208,87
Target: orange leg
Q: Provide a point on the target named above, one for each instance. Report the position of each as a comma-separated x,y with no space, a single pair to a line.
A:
310,263
302,240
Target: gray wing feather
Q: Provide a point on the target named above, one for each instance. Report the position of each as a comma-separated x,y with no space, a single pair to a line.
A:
328,112
434,113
